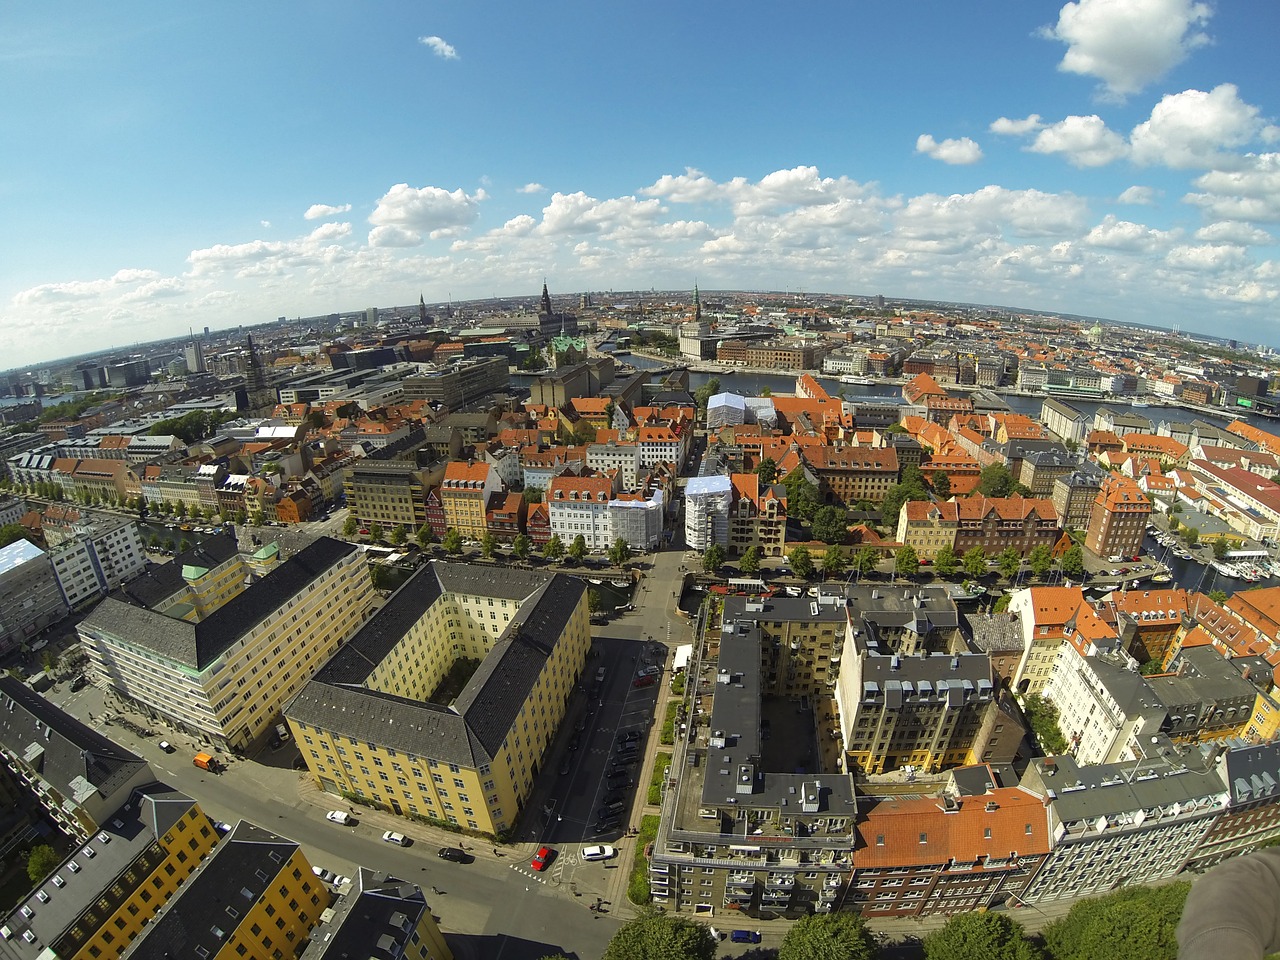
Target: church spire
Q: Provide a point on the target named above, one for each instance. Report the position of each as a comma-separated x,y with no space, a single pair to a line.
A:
422,308
697,305
546,298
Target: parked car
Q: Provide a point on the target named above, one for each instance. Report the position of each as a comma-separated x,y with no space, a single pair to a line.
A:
326,875
744,936
603,826
647,681
542,858
399,839
79,683
628,736
454,855
648,671
599,852
340,816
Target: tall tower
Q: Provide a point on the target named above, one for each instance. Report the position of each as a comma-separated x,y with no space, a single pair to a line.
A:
545,307
697,305
422,310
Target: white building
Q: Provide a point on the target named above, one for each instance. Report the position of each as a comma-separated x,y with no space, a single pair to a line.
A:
662,445
579,507
30,599
637,519
90,564
706,512
623,457
725,410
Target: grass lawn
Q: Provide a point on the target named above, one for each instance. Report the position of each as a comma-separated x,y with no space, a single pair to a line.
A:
638,885
661,762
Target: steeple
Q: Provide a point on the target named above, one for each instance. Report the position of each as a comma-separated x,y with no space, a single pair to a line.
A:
546,300
697,305
422,309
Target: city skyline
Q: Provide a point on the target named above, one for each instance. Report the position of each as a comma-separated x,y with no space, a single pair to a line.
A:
1103,159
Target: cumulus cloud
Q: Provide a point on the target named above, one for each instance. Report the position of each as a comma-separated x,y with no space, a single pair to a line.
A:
1251,192
1016,128
410,212
1128,44
1116,234
1241,234
956,152
1137,196
577,213
265,224
1190,130
439,47
531,188
1084,141
318,211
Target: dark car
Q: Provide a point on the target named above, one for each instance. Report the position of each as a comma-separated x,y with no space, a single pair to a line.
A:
454,855
613,796
745,936
629,736
575,742
646,681
79,683
603,825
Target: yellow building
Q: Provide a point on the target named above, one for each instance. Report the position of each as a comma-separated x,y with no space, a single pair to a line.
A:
254,899
369,726
1264,724
226,677
378,916
465,493
99,899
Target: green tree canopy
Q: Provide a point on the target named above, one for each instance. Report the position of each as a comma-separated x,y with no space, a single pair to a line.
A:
767,470
554,548
801,562
349,526
906,562
749,562
1073,562
834,561
941,484
910,487
974,561
452,541
802,496
578,549
1041,560
865,559
1218,596
520,547
828,936
424,536
619,552
40,862
532,495
1192,535
980,936
399,535
660,936
488,545
1143,919
945,561
831,524
995,481
376,532
1043,717
1010,561
705,392
713,559
12,532
1220,548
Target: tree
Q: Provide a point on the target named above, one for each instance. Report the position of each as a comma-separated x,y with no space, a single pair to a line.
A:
184,546
1142,918
349,526
1041,560
801,562
1043,717
1218,596
705,392
995,481
1220,548
1073,562
620,552
713,559
1002,603
554,548
452,541
749,562
1010,562
242,517
40,862
945,561
906,562
1192,535
834,561
831,524
424,536
941,484
980,936
865,560
828,936
578,549
661,936
532,495
766,392
182,510
12,532
767,470
488,545
399,534
255,519
802,496
593,601
974,561
375,532
520,547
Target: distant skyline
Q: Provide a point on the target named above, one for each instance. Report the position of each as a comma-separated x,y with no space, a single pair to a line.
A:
168,168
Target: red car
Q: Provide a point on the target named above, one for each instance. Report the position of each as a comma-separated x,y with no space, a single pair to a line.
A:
542,858
646,681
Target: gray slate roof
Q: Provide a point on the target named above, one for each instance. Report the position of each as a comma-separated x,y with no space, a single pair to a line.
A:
160,582
373,921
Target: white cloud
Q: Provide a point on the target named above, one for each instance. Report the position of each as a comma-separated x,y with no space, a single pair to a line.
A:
955,152
1115,234
1250,193
1206,257
265,224
1128,44
438,46
1016,128
1084,141
409,212
532,188
1227,231
318,211
1137,196
577,213
1190,130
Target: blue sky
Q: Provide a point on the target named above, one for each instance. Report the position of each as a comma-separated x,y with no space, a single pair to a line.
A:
170,166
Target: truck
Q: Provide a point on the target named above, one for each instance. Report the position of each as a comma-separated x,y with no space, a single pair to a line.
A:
207,761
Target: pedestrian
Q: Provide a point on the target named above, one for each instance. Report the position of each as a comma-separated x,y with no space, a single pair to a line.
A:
435,890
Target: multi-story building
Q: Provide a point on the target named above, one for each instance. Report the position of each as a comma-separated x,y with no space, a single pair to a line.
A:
98,900
387,492
1038,471
227,675
368,726
997,524
1120,823
504,518
77,775
623,457
460,383
850,475
1048,617
706,512
772,354
663,444
1064,420
1206,697
1252,818
465,493
1074,493
30,598
378,915
637,518
1154,620
579,507
87,566
1118,521
757,516
927,527
195,584
256,896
